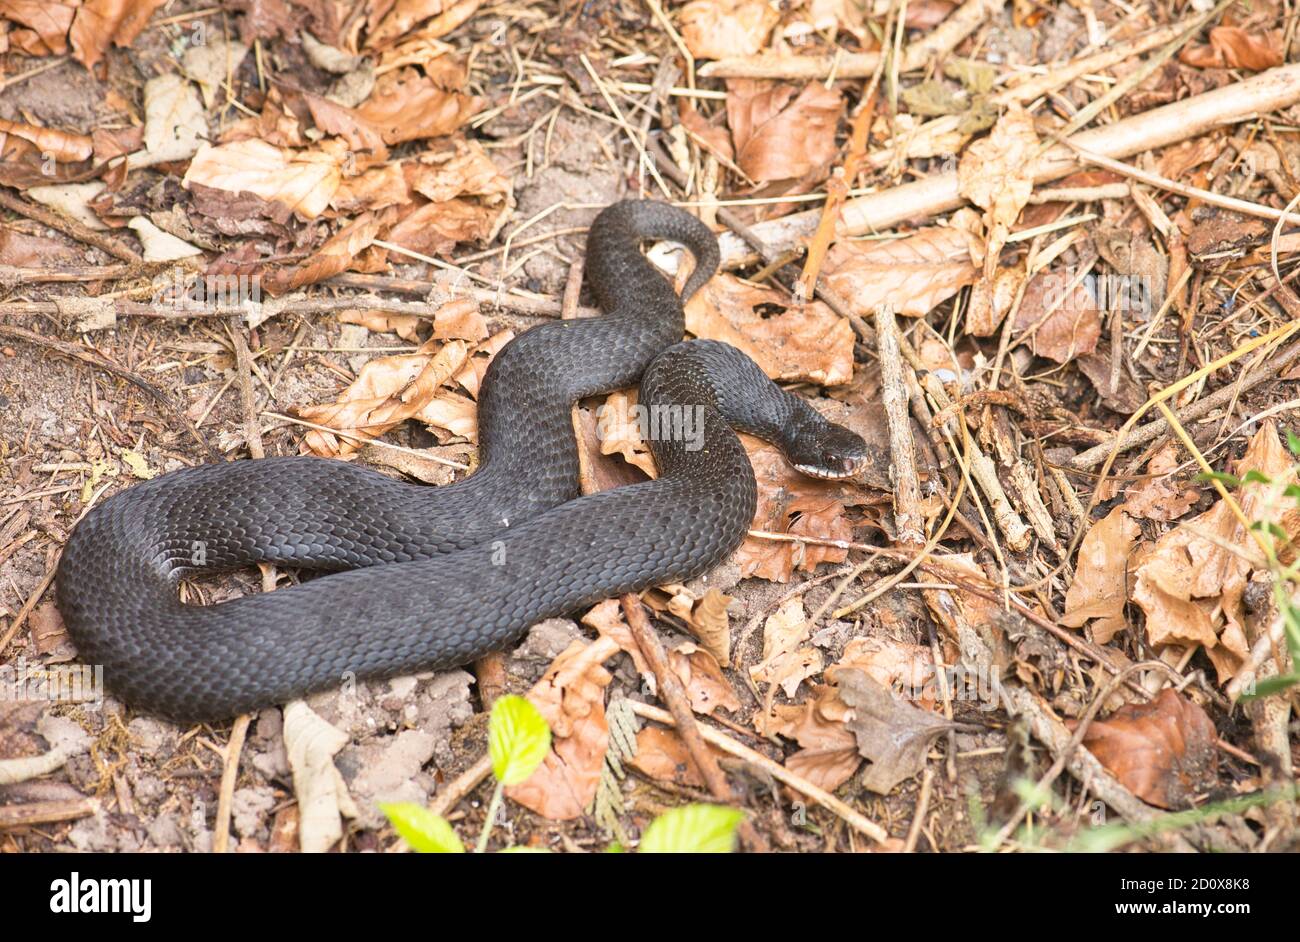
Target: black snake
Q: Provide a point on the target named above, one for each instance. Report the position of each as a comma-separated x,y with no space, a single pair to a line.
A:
433,577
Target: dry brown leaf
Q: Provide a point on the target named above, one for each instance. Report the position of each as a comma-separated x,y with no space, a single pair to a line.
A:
49,19
894,735
912,275
407,106
779,135
404,325
100,22
63,147
399,17
619,433
571,697
996,173
707,619
787,660
716,29
828,756
1100,587
303,181
1065,321
470,200
460,320
661,754
793,503
338,254
387,392
908,670
698,670
1232,47
1159,497
1162,751
711,137
1190,586
808,343
695,667
21,250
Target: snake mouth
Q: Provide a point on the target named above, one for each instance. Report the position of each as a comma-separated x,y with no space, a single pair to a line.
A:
835,469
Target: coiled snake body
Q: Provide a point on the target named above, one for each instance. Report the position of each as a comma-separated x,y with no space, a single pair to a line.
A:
433,577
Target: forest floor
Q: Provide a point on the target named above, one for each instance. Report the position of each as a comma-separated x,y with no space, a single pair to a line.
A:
1041,256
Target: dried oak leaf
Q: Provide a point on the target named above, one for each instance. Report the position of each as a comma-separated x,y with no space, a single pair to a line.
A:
1100,587
64,147
808,343
407,106
912,275
779,135
706,618
398,18
571,697
1158,496
996,173
338,254
100,22
49,19
717,29
1162,751
828,756
1232,47
1190,586
302,182
787,658
795,504
387,392
1062,322
894,735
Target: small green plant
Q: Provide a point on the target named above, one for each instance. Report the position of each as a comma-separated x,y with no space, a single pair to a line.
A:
1274,541
518,742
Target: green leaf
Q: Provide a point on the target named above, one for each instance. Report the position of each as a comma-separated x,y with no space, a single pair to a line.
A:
1229,480
1293,442
1257,477
425,831
518,739
1271,685
693,829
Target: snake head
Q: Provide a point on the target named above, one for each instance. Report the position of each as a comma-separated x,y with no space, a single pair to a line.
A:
828,451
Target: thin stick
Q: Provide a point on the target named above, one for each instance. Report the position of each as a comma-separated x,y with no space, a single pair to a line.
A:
229,773
857,821
68,227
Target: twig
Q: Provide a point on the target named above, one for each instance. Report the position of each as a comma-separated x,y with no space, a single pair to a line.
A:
909,520
857,821
1266,92
674,695
68,227
244,372
229,773
922,806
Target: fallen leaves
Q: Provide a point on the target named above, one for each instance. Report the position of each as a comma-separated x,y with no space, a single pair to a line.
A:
571,697
781,135
716,29
1162,751
996,173
1232,47
913,275
808,343
1099,591
302,182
